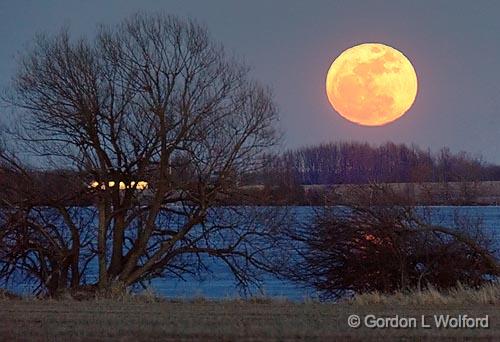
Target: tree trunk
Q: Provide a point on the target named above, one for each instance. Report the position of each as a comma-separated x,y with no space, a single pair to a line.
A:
101,244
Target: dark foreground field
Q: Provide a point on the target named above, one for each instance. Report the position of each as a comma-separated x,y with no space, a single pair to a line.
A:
127,320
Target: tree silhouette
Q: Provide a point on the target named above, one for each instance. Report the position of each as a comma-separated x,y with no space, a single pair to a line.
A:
153,99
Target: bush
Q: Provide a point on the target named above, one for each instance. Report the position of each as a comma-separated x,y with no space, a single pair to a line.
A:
371,245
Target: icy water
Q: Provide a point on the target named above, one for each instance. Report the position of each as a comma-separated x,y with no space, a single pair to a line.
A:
219,283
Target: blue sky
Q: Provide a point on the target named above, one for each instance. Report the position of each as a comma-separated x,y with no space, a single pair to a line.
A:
453,45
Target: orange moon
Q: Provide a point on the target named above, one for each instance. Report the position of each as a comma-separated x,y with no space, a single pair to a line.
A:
371,84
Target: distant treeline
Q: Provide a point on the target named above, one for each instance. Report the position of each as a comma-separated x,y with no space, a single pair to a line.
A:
285,177
360,163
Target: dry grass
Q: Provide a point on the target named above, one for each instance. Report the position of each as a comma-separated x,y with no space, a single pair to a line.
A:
486,295
148,317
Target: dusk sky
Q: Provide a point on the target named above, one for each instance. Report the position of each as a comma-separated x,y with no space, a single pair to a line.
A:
454,47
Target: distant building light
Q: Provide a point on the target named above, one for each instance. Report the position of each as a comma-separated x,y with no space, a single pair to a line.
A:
140,185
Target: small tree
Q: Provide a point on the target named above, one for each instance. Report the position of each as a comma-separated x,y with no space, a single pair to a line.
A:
155,100
380,242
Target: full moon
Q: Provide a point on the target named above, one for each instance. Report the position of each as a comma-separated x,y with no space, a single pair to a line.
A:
371,84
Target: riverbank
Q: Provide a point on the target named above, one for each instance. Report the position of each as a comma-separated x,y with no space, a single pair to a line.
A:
148,318
480,193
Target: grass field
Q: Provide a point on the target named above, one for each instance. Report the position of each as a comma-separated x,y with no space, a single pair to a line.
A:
237,320
231,320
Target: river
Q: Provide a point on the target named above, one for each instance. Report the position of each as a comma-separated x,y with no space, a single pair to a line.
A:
220,284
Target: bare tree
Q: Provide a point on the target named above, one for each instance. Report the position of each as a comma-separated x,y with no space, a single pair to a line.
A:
361,163
155,100
382,242
41,240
